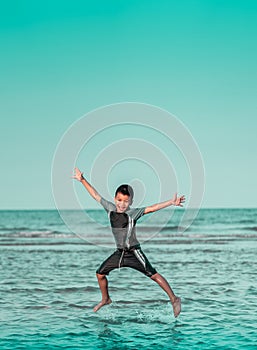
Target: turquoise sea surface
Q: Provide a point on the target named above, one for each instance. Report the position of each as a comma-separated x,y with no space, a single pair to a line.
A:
48,285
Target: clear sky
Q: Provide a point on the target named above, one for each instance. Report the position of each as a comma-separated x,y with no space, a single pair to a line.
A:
62,59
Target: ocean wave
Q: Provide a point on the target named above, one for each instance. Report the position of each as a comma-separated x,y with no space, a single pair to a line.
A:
55,290
159,241
13,229
37,234
80,306
158,228
75,289
247,221
37,307
46,244
253,228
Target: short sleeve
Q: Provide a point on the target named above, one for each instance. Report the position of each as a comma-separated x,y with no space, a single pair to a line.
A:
108,206
136,213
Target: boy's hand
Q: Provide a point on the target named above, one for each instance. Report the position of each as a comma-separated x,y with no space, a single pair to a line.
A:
78,175
178,200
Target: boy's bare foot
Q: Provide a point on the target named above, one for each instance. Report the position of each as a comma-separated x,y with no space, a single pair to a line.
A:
102,303
176,306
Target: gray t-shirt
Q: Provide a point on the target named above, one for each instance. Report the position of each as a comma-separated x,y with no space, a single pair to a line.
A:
123,224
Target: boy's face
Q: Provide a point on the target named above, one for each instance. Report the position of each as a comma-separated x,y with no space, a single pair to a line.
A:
122,202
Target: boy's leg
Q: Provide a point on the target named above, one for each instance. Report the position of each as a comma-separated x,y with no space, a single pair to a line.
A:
111,263
163,283
142,264
103,284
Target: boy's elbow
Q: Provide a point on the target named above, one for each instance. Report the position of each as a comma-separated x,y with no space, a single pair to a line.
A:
149,210
97,197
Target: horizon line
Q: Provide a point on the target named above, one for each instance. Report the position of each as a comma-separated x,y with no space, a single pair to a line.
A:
72,209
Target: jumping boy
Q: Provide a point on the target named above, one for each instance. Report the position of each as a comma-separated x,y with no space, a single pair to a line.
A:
128,254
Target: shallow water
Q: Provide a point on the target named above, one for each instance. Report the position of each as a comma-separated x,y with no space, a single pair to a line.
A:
48,286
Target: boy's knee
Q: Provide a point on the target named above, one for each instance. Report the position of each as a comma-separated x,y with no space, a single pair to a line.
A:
155,276
100,276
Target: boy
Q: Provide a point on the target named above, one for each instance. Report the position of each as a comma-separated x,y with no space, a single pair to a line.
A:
128,254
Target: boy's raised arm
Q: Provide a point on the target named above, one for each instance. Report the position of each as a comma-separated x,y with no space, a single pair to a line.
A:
78,175
176,201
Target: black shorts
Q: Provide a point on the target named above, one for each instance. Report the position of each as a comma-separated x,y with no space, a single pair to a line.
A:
133,258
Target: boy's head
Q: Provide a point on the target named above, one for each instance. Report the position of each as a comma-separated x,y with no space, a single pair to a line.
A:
123,197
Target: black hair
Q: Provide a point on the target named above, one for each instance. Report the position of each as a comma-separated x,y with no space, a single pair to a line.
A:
126,190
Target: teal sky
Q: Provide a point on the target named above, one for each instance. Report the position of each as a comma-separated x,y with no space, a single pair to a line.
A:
62,59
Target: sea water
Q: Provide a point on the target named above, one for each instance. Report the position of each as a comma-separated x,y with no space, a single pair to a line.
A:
48,285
